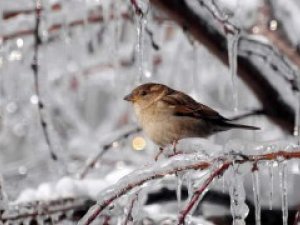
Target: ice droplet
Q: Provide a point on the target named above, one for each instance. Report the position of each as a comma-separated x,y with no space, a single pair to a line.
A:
284,187
256,194
232,48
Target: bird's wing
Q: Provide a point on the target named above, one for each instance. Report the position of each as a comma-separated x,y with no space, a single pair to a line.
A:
184,105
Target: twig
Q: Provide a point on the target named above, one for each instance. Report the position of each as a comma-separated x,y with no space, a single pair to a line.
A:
136,8
172,166
155,46
92,19
91,163
200,191
40,208
217,13
35,68
129,216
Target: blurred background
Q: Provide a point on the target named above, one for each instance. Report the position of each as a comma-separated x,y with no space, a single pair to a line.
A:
65,67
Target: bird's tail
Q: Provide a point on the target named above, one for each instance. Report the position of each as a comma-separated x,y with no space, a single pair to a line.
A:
239,126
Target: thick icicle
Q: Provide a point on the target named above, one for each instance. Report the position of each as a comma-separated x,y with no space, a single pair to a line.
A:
271,177
239,208
232,47
297,118
3,197
256,194
140,46
178,191
283,184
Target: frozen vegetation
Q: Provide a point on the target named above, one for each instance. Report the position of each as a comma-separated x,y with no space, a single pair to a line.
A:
71,150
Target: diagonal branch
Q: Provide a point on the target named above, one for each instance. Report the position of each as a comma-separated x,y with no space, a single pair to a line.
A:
172,166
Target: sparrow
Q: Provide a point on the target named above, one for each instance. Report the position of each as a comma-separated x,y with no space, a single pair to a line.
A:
167,115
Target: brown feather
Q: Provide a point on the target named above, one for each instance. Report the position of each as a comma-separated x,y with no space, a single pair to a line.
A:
187,106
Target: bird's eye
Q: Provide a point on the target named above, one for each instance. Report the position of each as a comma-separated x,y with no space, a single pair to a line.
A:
143,93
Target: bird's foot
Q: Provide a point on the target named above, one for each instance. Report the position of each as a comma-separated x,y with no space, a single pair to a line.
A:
159,153
176,153
174,144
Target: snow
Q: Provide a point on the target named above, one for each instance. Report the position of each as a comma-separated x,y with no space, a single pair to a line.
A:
68,187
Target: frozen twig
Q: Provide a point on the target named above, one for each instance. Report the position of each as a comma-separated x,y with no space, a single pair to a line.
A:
200,191
91,19
136,8
129,216
35,68
91,163
221,17
29,211
172,166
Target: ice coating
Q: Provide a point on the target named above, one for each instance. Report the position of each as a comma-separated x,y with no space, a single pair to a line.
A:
239,208
232,43
256,194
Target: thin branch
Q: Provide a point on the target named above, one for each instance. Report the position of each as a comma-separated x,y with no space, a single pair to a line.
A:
222,18
255,112
92,19
172,166
138,11
35,68
91,163
41,208
200,191
129,216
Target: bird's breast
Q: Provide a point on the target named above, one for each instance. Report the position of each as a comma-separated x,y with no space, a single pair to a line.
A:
163,127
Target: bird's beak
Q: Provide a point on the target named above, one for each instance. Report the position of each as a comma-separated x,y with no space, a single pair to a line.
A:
129,98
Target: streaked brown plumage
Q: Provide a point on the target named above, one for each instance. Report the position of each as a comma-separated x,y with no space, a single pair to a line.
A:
167,115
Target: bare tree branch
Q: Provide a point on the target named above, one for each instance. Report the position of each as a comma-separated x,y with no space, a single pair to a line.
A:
35,68
172,166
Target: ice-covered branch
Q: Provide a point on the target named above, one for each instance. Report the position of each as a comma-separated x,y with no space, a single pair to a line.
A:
35,68
277,107
201,190
92,18
91,163
53,210
174,165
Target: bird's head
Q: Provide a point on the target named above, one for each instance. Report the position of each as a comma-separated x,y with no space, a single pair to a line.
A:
147,94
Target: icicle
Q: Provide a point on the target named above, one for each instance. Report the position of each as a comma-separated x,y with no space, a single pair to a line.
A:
189,184
195,87
297,118
283,184
223,184
232,48
271,177
239,208
40,220
140,46
3,197
178,191
256,193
